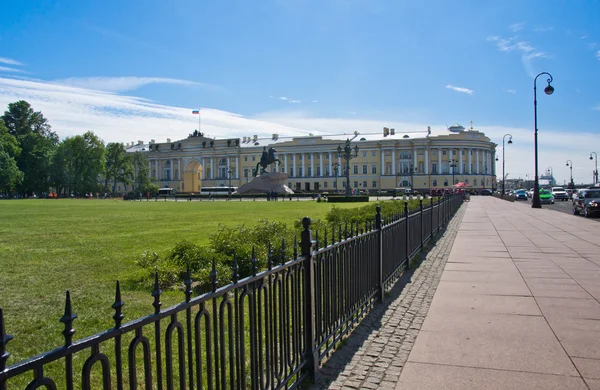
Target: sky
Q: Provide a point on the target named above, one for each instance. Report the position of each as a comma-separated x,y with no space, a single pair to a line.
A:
134,70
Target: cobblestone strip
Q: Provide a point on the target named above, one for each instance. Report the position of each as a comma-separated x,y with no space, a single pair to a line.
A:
375,353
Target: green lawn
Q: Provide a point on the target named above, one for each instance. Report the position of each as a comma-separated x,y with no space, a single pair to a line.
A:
49,246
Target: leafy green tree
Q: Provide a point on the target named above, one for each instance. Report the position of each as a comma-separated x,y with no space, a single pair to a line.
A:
8,142
117,166
37,142
84,162
139,162
10,175
59,170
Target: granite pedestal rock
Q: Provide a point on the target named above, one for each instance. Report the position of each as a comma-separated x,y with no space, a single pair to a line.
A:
265,183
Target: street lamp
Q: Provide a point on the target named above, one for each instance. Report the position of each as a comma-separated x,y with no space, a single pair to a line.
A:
452,165
595,176
336,166
347,154
229,172
570,165
503,159
549,90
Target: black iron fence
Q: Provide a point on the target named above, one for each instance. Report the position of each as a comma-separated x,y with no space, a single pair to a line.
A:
269,330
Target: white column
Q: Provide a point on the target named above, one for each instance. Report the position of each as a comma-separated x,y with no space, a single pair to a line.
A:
426,161
477,161
321,164
330,165
312,165
237,167
340,168
460,161
212,167
469,162
294,164
156,167
382,162
203,168
178,169
439,167
285,163
394,161
149,168
302,162
414,156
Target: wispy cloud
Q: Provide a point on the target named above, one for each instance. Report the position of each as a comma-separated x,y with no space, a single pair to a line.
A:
540,28
511,44
583,37
460,89
315,101
122,84
287,99
10,61
510,91
4,69
517,26
598,55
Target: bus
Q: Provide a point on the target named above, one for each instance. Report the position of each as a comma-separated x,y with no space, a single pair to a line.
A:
165,191
217,190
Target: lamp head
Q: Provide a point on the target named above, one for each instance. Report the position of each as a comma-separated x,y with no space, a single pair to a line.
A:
496,158
510,141
549,90
567,164
591,158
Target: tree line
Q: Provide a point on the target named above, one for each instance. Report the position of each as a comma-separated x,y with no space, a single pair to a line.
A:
33,160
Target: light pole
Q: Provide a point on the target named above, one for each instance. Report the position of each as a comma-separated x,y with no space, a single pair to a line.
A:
549,90
503,159
229,172
336,166
452,165
595,175
347,153
570,165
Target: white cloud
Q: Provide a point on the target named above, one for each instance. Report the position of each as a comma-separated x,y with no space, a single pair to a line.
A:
4,69
315,101
121,118
516,26
540,28
9,61
122,84
289,100
585,36
510,91
460,89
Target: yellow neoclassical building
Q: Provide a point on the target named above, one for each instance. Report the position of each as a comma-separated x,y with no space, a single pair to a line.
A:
384,161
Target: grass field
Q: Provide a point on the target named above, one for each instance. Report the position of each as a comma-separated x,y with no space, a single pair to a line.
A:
49,246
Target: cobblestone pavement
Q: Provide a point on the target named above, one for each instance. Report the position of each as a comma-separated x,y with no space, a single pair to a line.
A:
375,353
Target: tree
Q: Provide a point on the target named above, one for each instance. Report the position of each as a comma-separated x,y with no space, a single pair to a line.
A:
36,141
83,158
10,175
59,170
139,162
117,165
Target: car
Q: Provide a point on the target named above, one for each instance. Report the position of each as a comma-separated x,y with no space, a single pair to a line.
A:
587,203
560,194
485,192
546,197
520,195
530,193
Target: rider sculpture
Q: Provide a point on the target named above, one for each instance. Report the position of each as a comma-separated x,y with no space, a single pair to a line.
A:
268,158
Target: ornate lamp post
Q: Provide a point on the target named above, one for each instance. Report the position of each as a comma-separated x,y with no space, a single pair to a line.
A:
570,165
503,159
347,153
595,176
549,90
336,167
229,172
452,165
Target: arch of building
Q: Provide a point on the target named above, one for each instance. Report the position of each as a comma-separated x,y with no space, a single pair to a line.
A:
192,176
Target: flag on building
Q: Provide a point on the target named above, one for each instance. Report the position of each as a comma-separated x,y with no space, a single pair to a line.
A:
196,112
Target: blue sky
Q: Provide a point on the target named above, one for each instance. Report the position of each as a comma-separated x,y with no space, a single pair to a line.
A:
133,70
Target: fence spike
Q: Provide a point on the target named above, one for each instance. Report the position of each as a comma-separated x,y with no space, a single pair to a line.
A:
340,232
357,227
253,261
333,235
406,208
317,239
67,319
283,251
118,305
156,294
325,238
235,268
188,283
269,257
4,339
295,247
213,275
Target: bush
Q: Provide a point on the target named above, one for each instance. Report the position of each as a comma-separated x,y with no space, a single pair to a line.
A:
334,198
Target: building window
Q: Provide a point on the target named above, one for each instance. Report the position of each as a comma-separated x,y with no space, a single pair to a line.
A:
291,172
434,152
474,182
335,184
309,157
325,185
364,154
405,154
445,168
245,172
365,184
309,170
445,183
434,168
167,170
374,184
444,152
318,171
404,167
374,153
344,184
463,152
374,168
300,172
434,183
365,170
245,158
327,156
464,167
420,152
355,184
253,158
222,172
253,172
388,152
466,181
355,167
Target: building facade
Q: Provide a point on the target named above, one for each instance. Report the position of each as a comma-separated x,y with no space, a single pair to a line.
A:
312,162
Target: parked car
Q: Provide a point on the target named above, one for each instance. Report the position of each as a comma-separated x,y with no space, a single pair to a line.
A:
530,193
587,203
546,196
560,194
485,192
520,195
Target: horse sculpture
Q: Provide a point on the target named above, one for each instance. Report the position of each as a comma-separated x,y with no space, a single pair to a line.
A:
268,158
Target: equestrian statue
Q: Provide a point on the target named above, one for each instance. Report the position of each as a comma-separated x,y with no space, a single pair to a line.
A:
268,158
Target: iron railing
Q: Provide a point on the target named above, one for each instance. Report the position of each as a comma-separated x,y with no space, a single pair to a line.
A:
269,330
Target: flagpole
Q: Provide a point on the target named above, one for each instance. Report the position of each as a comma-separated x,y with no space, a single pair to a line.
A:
199,120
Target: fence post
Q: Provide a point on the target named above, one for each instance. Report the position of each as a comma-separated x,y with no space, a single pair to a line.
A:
431,208
4,339
407,238
380,249
311,354
422,227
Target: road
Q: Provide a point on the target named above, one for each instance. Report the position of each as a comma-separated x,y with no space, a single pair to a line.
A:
563,207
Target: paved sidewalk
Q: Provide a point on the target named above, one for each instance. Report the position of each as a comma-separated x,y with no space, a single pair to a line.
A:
517,307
